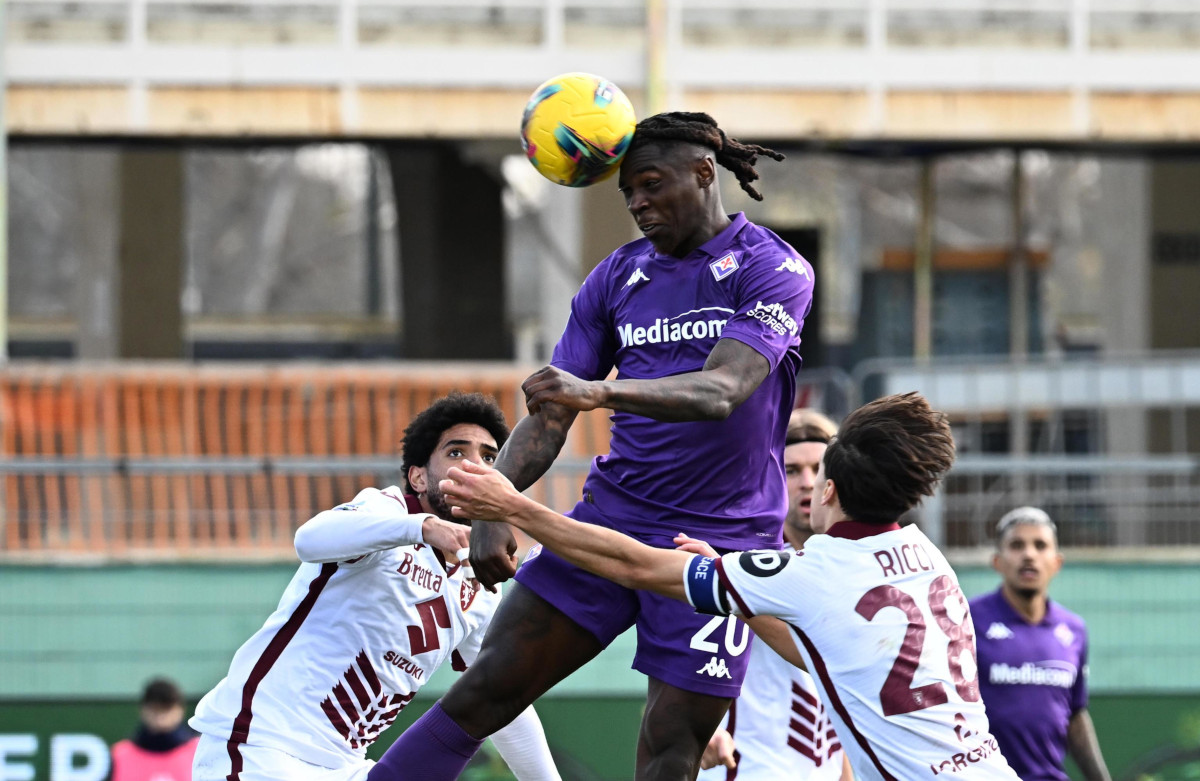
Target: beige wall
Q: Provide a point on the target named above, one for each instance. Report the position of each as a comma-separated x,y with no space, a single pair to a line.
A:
495,113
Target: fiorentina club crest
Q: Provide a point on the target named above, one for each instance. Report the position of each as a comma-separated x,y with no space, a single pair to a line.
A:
724,267
1064,635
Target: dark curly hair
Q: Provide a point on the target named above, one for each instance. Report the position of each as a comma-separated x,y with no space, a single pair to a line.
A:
696,127
423,433
887,455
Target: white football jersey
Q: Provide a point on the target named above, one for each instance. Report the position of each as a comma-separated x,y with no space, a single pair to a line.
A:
877,615
351,640
780,728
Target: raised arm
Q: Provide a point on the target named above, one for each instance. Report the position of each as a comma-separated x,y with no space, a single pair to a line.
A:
733,371
476,492
358,529
530,450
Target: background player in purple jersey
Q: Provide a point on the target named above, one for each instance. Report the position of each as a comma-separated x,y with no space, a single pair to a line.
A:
702,320
1033,657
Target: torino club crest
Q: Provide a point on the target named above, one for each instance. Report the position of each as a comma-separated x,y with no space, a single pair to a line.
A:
466,594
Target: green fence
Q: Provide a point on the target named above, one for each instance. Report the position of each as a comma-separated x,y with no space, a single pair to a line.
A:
76,645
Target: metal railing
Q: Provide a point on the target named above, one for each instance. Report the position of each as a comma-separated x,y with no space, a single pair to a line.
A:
1096,501
871,45
223,460
177,460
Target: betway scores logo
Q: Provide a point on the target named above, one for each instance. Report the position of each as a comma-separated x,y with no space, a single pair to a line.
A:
775,317
693,324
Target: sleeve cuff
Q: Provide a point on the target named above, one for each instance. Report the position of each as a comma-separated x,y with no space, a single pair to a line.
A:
700,585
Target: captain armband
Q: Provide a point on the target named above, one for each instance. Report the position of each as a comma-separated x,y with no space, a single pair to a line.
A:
703,587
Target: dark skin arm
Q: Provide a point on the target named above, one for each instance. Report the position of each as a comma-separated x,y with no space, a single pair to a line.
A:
733,371
554,397
528,453
1085,748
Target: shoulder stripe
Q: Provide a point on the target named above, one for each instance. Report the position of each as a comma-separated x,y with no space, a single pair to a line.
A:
733,592
836,701
274,649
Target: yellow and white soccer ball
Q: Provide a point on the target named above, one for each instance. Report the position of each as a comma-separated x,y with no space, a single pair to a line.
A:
577,128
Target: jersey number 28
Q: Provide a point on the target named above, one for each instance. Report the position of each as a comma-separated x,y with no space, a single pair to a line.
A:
898,695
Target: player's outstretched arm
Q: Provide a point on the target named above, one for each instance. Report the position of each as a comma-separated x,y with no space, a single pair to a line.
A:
525,457
773,631
484,494
733,371
1085,748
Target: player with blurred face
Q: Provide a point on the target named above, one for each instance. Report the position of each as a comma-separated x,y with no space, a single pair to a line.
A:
163,747
778,727
1033,656
701,318
1027,559
382,599
808,435
871,609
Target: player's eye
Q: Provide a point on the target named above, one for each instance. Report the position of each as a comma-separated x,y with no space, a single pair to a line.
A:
455,452
489,458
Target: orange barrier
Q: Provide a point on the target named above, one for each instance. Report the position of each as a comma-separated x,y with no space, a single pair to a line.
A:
123,460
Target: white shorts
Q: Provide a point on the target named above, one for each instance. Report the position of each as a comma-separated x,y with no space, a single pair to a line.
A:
259,763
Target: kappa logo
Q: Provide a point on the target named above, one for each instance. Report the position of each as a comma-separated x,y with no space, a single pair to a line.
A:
998,631
794,265
724,267
637,276
715,669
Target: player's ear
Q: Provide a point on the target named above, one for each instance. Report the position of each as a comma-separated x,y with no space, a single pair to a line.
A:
706,171
829,493
418,479
1058,562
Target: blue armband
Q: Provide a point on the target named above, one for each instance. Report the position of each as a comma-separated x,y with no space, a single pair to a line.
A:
702,587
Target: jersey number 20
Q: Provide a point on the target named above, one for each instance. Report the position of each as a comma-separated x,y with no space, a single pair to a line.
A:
898,694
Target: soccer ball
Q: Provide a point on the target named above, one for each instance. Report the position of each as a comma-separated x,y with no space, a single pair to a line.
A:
577,128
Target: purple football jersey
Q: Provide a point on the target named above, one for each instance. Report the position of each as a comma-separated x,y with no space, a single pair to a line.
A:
1032,678
652,316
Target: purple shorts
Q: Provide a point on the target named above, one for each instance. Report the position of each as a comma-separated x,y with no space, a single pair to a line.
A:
676,645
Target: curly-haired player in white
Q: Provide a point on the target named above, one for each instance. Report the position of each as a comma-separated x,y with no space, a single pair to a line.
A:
871,609
384,597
